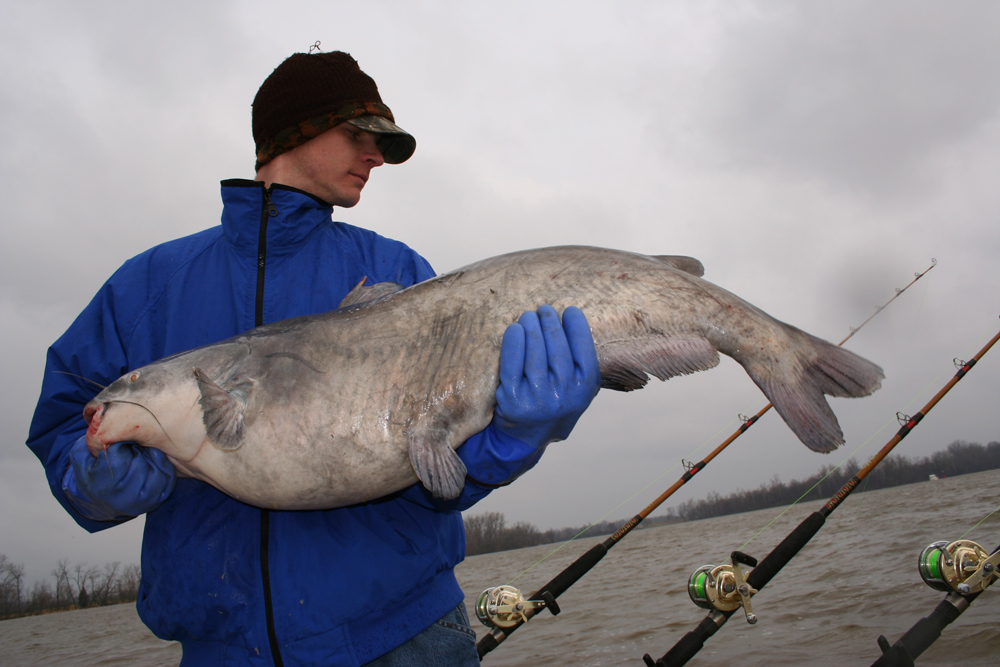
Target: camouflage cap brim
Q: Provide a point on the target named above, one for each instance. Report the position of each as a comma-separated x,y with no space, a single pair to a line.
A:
396,144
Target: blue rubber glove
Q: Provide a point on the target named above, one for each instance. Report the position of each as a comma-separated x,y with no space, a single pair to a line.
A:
123,482
548,376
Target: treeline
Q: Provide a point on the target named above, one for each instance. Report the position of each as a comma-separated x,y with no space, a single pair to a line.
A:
960,458
488,532
72,587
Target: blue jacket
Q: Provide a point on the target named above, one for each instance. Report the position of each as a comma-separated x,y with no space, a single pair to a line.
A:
339,587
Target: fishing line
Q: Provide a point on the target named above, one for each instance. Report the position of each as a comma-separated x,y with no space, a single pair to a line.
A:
854,330
909,354
980,521
864,486
933,382
704,443
916,320
544,558
898,384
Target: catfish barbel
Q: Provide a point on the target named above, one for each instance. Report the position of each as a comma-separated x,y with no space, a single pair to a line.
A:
343,407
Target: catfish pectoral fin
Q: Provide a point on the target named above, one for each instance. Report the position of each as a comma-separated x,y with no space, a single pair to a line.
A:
222,413
437,465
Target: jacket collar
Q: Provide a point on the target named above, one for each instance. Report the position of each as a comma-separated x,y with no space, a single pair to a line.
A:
298,213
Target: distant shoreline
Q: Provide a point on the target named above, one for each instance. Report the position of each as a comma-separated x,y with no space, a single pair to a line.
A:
489,533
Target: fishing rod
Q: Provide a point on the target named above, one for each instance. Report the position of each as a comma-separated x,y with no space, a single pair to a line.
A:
504,609
963,570
724,590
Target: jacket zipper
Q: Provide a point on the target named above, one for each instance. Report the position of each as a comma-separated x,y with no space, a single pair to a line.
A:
268,210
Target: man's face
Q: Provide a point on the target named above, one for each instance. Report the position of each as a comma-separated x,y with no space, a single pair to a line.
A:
335,165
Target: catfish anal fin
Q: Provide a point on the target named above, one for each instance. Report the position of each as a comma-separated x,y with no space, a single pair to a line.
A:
627,364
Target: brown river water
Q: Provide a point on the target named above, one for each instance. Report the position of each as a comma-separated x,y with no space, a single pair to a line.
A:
855,580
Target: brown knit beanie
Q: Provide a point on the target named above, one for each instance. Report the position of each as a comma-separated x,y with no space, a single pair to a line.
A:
308,94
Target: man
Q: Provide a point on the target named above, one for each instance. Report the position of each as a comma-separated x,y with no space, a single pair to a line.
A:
367,584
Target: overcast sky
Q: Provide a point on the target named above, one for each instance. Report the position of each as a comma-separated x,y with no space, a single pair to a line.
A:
813,155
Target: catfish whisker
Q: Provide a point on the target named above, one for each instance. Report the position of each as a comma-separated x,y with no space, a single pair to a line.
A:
110,467
80,377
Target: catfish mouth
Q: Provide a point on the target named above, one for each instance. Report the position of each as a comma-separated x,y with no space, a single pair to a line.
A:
124,426
93,414
92,409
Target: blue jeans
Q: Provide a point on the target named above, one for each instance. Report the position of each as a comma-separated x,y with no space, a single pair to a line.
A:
449,642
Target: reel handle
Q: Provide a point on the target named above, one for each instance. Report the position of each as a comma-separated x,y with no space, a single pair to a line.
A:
742,588
724,588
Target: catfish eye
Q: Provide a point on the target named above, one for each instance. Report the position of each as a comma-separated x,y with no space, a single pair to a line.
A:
134,376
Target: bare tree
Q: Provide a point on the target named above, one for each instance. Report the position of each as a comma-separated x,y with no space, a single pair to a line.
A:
82,577
483,532
128,583
63,588
105,584
11,576
40,599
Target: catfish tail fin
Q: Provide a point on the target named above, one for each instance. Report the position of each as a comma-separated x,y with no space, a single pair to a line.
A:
820,369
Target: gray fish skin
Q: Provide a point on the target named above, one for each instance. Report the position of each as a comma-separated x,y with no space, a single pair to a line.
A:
340,408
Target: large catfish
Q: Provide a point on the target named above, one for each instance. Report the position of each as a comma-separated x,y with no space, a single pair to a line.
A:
339,408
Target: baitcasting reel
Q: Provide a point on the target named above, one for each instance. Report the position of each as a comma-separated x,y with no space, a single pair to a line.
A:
723,587
505,607
961,566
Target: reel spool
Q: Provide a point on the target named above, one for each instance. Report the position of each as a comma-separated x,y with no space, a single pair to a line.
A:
723,587
505,607
961,566
713,587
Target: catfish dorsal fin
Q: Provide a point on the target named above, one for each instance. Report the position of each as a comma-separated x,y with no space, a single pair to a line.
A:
361,293
222,411
683,263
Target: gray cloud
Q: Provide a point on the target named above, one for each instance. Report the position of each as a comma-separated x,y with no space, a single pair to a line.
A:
858,95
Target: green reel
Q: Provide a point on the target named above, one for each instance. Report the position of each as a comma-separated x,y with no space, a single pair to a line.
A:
723,587
961,566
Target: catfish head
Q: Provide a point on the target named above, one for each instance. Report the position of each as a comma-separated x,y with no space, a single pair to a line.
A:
153,406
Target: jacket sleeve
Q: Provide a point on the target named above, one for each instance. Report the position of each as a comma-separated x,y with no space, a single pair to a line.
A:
89,356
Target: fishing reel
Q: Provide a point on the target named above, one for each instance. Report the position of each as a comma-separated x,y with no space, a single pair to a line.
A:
961,566
723,587
505,607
